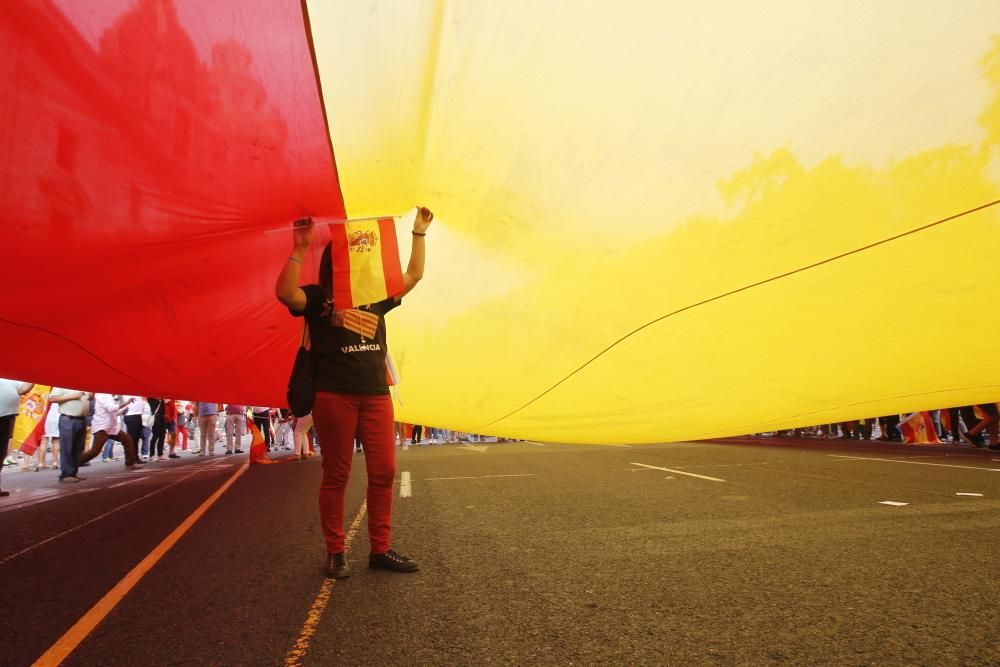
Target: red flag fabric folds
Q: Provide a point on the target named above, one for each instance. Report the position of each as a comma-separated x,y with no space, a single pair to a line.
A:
146,147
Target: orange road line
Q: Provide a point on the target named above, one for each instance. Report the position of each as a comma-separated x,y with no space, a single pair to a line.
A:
301,647
76,634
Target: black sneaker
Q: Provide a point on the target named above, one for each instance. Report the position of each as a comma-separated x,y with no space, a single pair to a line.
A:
974,440
336,566
391,560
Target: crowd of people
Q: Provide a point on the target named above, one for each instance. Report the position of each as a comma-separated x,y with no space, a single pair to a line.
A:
973,425
84,427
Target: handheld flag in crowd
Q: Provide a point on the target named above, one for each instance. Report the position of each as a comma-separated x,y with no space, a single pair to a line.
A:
29,427
918,428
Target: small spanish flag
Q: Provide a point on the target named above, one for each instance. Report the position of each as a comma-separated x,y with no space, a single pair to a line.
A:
29,427
366,267
918,428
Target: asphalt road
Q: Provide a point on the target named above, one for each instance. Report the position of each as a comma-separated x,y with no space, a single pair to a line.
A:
741,553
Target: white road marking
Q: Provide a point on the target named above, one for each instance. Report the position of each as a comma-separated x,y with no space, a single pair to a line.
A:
537,444
128,481
44,498
893,503
723,465
912,463
475,448
974,495
436,479
680,472
405,488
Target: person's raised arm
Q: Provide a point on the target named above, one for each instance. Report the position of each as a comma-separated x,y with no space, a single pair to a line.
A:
415,269
287,288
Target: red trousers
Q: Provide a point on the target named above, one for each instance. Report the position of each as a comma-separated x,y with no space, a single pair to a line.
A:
337,418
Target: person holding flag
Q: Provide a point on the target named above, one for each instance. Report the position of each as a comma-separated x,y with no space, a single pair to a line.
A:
10,405
348,338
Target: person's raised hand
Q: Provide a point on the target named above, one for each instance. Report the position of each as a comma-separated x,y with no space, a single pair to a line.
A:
302,233
423,220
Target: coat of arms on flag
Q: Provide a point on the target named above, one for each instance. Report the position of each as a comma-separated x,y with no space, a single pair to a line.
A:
366,267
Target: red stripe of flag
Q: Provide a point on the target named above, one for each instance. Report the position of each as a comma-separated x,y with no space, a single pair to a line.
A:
390,257
341,256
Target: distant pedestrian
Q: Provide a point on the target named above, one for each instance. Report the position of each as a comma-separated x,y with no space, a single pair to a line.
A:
158,428
989,423
170,417
10,405
284,431
74,406
208,414
182,428
236,416
262,419
301,436
105,428
133,417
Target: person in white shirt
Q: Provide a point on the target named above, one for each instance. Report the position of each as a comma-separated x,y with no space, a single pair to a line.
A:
104,426
147,430
10,405
51,439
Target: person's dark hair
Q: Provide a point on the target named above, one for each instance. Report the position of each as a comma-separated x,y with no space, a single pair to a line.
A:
326,270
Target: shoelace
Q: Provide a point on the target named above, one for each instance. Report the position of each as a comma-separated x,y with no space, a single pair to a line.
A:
392,555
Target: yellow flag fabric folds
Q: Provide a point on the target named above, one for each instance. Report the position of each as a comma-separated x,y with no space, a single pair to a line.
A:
663,221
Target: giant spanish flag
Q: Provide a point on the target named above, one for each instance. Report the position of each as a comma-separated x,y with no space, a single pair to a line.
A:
653,220
366,266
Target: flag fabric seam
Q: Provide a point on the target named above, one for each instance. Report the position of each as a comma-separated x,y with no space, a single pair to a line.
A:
745,288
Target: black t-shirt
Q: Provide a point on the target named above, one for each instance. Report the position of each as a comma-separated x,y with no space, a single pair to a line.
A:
348,346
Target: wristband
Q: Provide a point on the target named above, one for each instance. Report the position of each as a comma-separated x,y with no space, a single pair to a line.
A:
294,259
419,233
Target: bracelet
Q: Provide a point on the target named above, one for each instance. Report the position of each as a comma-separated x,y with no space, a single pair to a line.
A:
419,233
294,259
